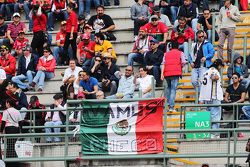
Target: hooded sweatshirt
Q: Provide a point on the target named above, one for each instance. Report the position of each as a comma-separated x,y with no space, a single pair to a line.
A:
232,68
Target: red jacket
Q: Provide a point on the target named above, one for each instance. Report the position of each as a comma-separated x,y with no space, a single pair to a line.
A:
39,23
188,33
49,64
19,44
9,64
72,21
172,63
59,5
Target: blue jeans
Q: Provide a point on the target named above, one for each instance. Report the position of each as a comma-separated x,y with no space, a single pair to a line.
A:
156,72
170,92
246,111
10,9
107,2
184,47
215,113
4,41
197,75
86,64
96,3
209,35
137,57
173,10
56,130
56,16
26,8
81,7
57,51
41,76
19,78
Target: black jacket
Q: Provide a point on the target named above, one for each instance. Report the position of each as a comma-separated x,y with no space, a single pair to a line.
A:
188,12
31,66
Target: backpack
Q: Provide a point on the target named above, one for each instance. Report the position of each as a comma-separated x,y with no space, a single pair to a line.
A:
248,145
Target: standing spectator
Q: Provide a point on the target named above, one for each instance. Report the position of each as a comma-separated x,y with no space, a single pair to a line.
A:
140,14
102,23
201,58
60,40
182,33
153,59
84,4
89,85
173,62
26,68
11,124
20,43
14,28
158,30
141,46
144,82
107,2
109,80
173,5
7,62
45,69
39,21
189,11
85,51
162,17
237,66
55,118
126,86
58,12
103,46
228,17
212,93
3,31
71,33
205,24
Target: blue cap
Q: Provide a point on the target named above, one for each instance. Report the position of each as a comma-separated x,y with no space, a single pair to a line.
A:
154,40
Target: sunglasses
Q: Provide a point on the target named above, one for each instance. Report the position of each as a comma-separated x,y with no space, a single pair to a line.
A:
206,13
128,70
81,75
154,19
200,36
45,51
2,50
106,58
234,77
98,60
152,43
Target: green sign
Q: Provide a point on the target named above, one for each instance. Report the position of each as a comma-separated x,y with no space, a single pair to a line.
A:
198,120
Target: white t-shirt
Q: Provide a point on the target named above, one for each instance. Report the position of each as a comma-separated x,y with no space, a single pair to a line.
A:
68,72
2,74
145,82
13,119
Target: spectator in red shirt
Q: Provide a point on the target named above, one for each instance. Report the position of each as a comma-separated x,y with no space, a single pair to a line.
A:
20,43
58,12
85,51
39,21
7,62
158,30
71,33
60,39
14,28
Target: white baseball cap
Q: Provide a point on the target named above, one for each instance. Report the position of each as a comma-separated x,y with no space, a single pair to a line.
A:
16,14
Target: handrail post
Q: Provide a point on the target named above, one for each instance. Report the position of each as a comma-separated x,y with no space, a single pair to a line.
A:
165,134
153,86
245,48
189,51
228,147
213,28
66,146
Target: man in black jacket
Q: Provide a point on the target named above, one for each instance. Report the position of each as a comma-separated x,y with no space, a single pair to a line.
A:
26,68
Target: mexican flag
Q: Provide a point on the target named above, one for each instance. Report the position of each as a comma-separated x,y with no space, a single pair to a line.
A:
122,128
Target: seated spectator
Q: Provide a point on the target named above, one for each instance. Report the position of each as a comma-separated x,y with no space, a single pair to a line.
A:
158,30
109,80
153,59
19,44
102,23
173,5
205,24
85,51
141,46
103,46
144,82
26,68
45,69
70,75
3,31
107,2
162,17
189,11
8,8
140,14
173,62
182,33
238,67
89,85
60,40
126,84
7,62
76,83
58,12
96,68
100,95
200,58
14,28
2,77
55,118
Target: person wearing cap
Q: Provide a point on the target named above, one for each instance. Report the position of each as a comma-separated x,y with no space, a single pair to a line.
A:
103,46
3,31
15,27
26,69
109,80
81,24
211,93
7,62
102,23
141,46
158,30
45,69
140,14
85,51
58,12
60,40
153,59
20,43
55,118
163,18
